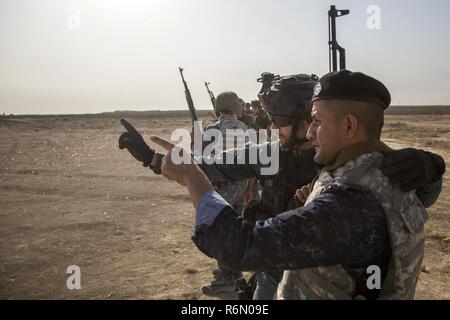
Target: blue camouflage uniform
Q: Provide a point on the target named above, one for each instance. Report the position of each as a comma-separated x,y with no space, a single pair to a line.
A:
328,231
343,225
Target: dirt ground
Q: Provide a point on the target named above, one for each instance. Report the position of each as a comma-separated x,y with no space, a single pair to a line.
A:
69,196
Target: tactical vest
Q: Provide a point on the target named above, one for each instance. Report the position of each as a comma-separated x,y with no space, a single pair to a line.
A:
405,218
296,169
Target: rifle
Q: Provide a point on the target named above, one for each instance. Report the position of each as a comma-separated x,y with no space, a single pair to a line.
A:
189,99
213,101
211,95
332,41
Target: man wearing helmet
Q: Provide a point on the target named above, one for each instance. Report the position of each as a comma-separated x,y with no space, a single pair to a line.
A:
227,107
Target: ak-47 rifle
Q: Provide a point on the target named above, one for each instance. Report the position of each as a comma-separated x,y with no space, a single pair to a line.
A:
333,13
213,100
189,100
211,94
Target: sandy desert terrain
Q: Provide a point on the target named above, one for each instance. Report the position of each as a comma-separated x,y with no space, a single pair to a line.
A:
69,196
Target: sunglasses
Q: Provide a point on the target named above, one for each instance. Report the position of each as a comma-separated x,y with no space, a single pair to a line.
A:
280,121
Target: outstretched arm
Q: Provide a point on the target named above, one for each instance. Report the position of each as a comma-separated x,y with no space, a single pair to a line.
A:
186,174
230,165
329,230
226,166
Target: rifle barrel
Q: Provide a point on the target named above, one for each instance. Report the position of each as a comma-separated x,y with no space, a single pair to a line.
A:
333,45
188,98
211,94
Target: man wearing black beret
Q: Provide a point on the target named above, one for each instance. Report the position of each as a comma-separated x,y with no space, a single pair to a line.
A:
421,170
354,86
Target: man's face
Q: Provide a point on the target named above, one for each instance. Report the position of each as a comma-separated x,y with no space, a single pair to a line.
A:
284,132
326,132
303,128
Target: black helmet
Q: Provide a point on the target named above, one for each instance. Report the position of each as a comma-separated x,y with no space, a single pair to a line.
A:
289,95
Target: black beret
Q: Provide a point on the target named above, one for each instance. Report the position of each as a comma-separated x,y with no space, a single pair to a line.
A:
347,85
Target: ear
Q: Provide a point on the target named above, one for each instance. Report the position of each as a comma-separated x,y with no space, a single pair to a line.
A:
351,125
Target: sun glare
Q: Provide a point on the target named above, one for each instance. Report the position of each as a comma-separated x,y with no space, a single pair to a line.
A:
127,7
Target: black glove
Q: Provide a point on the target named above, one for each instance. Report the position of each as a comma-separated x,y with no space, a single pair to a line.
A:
412,168
135,144
253,211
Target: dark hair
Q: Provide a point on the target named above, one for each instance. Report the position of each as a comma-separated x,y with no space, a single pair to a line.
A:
370,116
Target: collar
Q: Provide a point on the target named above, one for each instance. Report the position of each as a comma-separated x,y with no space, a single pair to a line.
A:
227,117
354,151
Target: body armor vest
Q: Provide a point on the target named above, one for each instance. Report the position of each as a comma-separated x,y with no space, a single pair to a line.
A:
297,169
405,218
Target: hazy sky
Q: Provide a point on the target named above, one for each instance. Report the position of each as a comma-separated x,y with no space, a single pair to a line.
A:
59,56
